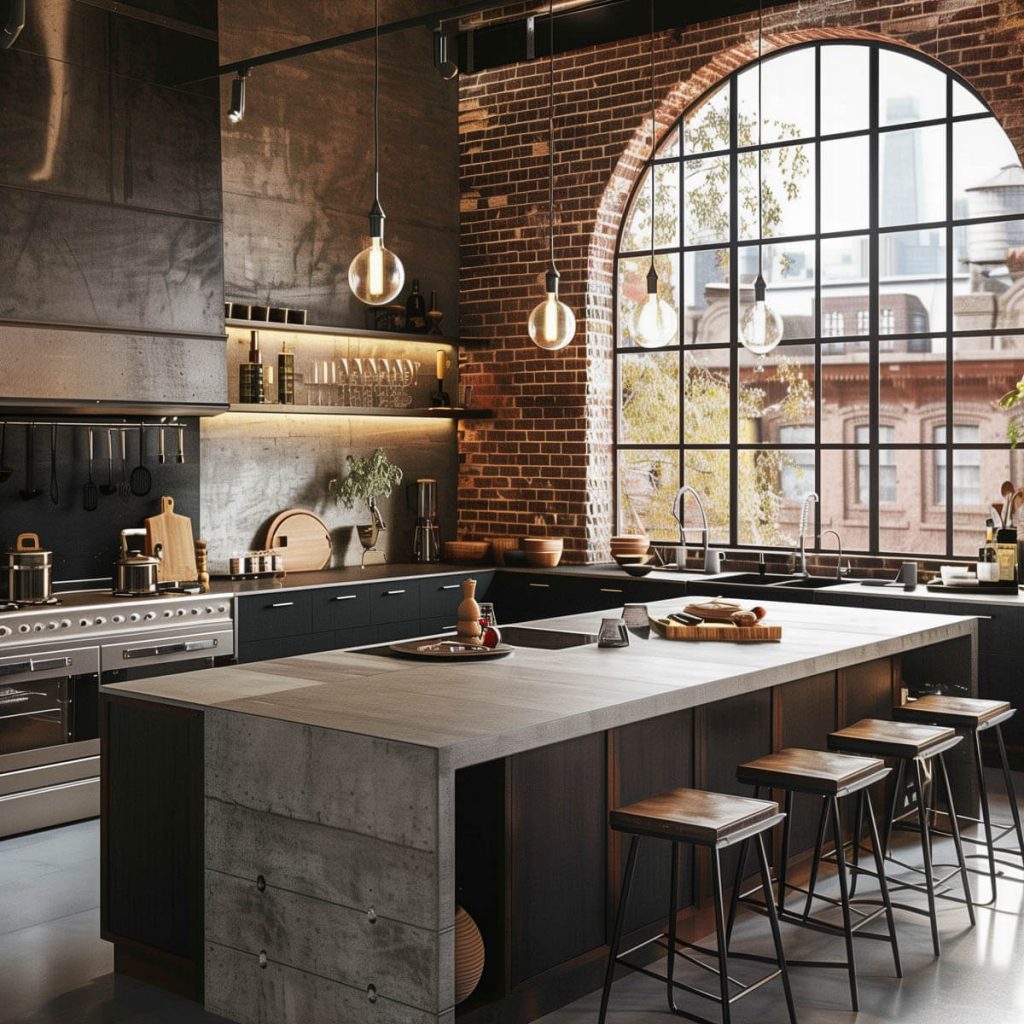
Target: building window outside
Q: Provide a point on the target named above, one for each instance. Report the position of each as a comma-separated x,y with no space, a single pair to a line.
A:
705,412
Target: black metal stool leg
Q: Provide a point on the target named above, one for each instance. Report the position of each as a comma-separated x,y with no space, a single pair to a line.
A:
723,953
734,898
897,791
672,912
844,895
782,868
883,885
620,920
954,828
773,918
1011,795
816,860
926,851
858,829
986,816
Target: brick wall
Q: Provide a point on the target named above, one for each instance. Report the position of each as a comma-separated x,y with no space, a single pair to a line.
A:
546,457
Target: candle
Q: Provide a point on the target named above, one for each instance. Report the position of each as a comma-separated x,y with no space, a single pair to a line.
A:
441,360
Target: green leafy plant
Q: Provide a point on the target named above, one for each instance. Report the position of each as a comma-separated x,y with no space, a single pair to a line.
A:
369,478
1015,425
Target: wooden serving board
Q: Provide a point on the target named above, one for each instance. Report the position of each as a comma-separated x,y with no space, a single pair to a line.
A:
729,634
173,533
303,540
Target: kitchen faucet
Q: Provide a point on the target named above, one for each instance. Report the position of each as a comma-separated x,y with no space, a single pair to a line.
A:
839,553
805,512
679,515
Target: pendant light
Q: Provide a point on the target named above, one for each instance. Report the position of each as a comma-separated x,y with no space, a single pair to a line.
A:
761,326
655,321
552,323
376,275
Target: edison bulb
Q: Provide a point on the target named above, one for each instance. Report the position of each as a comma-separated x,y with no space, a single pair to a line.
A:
760,328
552,324
376,274
655,322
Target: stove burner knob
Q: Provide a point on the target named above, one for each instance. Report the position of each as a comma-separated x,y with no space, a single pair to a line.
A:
5,630
222,608
195,611
150,615
135,616
209,611
117,618
65,623
100,620
168,613
38,627
51,625
24,628
180,611
84,622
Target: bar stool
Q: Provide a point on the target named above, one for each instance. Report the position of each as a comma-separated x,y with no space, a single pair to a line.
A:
714,821
914,747
973,717
827,776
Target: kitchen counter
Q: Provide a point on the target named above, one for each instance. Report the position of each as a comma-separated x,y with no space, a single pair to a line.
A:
326,809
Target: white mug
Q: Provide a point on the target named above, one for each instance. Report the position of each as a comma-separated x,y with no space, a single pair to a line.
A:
988,572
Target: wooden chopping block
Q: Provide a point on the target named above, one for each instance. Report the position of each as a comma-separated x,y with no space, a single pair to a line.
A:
173,533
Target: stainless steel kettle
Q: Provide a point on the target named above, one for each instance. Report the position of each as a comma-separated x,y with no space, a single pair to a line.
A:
136,572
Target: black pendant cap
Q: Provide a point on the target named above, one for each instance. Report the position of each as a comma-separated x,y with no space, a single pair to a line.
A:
652,280
760,288
377,216
551,279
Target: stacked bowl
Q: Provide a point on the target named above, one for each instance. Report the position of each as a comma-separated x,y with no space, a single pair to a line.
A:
543,552
630,547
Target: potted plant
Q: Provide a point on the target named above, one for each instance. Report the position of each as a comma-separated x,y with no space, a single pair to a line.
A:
369,478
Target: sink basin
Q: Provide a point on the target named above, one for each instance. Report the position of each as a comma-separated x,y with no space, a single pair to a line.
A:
544,639
811,582
766,580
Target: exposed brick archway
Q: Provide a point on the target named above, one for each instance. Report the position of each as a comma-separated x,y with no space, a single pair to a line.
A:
547,456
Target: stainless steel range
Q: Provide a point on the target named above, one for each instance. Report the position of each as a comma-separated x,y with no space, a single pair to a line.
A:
52,659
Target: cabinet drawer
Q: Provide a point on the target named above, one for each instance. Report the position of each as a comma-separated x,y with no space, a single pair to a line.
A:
394,602
283,613
285,647
340,607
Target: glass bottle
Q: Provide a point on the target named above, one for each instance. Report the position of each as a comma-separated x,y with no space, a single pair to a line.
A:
415,310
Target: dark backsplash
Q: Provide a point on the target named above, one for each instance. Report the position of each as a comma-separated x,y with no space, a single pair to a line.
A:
85,544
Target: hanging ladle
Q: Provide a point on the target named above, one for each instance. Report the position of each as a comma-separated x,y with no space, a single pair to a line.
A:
109,487
141,478
90,493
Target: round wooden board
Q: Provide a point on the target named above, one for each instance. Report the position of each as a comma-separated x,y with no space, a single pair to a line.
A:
412,650
302,538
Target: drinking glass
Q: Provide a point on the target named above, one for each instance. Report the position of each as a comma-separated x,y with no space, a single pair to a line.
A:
357,383
344,379
374,365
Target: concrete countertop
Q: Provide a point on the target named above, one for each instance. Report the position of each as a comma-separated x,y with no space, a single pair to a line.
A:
482,710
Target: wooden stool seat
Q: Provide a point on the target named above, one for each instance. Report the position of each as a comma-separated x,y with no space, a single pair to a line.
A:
697,817
959,712
812,771
880,738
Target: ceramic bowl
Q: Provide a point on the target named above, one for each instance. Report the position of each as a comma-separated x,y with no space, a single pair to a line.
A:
465,550
543,559
550,544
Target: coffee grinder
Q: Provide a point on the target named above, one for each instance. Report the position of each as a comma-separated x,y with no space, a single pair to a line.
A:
426,545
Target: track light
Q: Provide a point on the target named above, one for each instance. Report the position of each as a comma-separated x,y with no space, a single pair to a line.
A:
236,112
446,68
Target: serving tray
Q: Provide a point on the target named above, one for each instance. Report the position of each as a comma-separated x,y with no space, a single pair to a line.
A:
728,634
938,587
420,649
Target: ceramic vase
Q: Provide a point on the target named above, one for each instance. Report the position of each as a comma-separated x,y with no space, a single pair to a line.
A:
468,614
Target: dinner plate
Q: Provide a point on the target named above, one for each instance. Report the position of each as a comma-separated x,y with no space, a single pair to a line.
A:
431,649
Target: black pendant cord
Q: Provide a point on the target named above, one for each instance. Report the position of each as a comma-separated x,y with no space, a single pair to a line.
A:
551,134
376,211
759,285
652,273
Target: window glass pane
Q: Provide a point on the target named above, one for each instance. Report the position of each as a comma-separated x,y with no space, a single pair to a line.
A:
886,466
707,128
912,176
787,177
706,396
844,109
766,516
844,184
983,371
839,508
787,94
845,389
789,272
669,145
706,296
909,89
796,472
911,524
987,177
912,387
913,280
632,289
636,237
844,283
649,398
706,213
776,391
648,481
707,472
965,102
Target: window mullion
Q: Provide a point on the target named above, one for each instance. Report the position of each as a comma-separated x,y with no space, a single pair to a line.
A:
874,277
734,307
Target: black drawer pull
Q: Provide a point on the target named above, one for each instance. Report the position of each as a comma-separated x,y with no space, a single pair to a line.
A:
345,597
282,604
611,590
393,593
451,586
541,586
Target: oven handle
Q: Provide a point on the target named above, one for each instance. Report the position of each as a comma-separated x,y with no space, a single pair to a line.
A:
181,647
34,666
30,714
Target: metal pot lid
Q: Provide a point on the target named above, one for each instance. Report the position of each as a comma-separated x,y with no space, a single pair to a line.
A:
27,552
137,558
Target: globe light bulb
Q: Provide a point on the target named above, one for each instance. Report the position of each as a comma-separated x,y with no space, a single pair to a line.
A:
760,326
552,323
376,274
655,321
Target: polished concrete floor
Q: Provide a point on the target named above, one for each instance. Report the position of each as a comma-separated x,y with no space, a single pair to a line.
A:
54,968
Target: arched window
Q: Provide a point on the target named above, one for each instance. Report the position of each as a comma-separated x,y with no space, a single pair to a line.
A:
893,248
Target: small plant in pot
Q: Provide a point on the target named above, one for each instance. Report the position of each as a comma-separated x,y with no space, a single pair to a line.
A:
369,478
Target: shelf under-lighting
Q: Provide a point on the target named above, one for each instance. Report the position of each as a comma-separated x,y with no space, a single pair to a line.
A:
357,333
346,410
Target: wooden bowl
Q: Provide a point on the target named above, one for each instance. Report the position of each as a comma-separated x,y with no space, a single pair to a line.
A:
630,538
543,544
543,559
499,545
465,550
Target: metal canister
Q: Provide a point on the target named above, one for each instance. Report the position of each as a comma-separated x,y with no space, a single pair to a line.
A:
29,570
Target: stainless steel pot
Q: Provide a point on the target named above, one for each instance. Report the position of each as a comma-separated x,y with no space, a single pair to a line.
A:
136,573
29,570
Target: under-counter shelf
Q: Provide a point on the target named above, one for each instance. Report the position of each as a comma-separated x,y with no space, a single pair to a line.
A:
341,332
352,410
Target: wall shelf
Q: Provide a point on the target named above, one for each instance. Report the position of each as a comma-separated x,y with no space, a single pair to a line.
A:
341,332
346,410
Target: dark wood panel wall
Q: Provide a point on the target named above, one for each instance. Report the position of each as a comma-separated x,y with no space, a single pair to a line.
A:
298,171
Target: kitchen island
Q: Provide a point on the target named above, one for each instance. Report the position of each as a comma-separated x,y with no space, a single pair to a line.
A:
288,840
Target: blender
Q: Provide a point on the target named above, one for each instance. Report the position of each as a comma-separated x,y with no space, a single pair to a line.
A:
426,546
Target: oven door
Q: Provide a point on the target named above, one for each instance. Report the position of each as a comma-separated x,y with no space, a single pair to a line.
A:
160,656
36,697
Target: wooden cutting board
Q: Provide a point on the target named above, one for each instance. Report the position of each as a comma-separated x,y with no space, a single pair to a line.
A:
730,634
303,540
174,535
